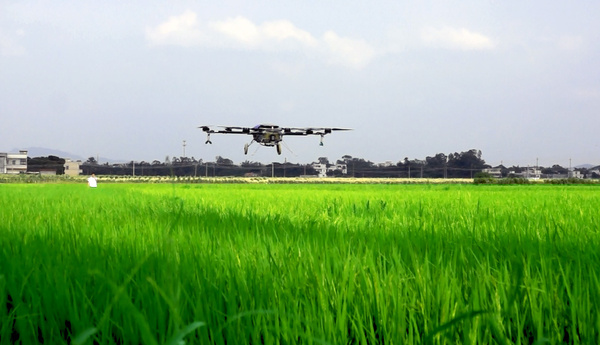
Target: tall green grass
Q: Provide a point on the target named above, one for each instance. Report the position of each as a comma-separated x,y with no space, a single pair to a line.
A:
287,264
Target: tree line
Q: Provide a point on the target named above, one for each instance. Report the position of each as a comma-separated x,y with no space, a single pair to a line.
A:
50,163
454,165
186,166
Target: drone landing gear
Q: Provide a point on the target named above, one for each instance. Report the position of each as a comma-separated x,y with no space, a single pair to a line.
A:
208,139
278,148
246,146
321,143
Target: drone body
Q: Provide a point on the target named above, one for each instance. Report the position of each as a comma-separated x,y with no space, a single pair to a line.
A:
268,134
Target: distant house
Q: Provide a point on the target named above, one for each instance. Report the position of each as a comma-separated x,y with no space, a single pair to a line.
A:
72,168
47,171
386,164
322,168
575,174
528,173
558,176
341,167
494,172
13,163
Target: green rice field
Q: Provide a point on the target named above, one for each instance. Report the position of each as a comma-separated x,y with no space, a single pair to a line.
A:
299,264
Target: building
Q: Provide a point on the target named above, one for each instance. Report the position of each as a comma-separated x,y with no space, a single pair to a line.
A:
322,168
340,167
494,172
528,173
72,168
47,172
13,163
386,164
575,174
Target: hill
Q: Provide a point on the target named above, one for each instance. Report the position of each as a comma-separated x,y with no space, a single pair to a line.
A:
44,152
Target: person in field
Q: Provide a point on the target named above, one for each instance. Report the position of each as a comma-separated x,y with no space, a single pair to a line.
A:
92,182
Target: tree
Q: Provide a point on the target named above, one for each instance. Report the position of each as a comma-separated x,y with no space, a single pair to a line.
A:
37,164
438,161
463,164
436,165
359,167
559,169
223,161
249,164
411,168
91,160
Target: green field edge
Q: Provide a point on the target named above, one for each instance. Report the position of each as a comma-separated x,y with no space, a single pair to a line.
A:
24,178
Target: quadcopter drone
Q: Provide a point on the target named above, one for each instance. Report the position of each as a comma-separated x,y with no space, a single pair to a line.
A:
267,134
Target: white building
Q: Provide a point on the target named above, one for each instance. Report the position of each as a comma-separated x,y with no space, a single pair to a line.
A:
528,173
13,163
72,168
494,172
575,174
386,164
322,169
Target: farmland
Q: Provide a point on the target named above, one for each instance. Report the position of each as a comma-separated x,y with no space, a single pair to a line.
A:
299,263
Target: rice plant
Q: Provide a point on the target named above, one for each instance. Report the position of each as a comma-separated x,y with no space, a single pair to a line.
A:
286,264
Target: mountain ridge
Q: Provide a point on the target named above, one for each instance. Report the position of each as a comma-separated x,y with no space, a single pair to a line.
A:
44,152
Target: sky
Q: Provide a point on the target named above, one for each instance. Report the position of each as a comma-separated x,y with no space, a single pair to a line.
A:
519,81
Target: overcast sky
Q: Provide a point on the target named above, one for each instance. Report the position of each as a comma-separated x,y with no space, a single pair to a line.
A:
518,80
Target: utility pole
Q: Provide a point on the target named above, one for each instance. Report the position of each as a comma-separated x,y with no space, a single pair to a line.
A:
570,173
184,148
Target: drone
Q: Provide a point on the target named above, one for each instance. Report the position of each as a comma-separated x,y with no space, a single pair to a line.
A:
267,134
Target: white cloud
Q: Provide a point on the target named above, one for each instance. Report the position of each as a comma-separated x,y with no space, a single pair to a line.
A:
239,29
347,51
183,30
284,30
278,35
452,38
271,35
